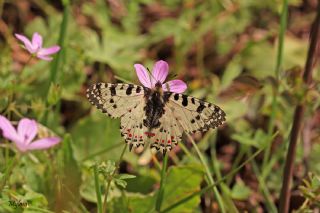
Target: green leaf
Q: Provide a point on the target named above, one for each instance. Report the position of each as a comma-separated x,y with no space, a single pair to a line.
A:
181,182
95,133
132,203
121,183
125,176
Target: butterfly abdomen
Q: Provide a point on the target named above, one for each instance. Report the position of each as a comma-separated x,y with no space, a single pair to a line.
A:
154,110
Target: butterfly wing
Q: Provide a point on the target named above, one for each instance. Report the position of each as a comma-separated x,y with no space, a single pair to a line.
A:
132,128
115,100
125,101
184,113
194,114
165,137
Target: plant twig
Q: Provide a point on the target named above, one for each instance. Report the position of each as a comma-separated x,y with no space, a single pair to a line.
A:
110,179
298,117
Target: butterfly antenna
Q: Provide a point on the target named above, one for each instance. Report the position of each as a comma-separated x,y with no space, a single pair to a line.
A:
151,76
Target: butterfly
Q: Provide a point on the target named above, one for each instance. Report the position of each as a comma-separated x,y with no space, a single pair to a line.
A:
156,111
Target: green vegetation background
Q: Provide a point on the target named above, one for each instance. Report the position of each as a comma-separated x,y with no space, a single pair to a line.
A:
226,51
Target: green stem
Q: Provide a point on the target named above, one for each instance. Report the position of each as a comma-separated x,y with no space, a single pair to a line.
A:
162,181
110,179
236,162
56,61
97,186
210,179
274,105
262,186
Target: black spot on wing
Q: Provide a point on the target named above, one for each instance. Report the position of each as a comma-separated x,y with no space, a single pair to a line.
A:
113,89
184,100
176,97
192,100
129,89
200,107
138,90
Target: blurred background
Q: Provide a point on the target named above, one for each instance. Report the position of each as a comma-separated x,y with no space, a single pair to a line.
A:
227,51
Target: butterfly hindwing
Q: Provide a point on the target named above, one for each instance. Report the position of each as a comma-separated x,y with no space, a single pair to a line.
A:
194,114
115,100
168,134
132,128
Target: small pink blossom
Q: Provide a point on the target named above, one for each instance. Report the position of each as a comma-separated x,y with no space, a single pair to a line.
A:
159,74
35,46
23,137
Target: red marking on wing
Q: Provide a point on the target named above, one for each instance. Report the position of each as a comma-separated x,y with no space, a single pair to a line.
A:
149,134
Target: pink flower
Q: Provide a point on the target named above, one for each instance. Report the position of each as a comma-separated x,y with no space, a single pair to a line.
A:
35,46
25,133
159,74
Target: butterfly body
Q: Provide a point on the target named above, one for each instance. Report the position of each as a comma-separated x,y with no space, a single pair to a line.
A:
154,108
153,114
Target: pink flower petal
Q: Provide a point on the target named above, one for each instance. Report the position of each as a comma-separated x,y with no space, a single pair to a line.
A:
44,143
160,71
44,57
26,43
8,131
27,130
143,75
177,86
37,41
48,51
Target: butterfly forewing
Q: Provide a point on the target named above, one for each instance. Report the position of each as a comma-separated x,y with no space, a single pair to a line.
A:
115,100
194,114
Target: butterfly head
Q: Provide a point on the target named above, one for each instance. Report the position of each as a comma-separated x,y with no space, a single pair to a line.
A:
158,86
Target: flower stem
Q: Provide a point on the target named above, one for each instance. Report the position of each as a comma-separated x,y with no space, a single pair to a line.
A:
110,179
210,179
298,117
162,181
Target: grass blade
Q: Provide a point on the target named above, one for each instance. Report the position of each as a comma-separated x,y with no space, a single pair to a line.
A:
97,186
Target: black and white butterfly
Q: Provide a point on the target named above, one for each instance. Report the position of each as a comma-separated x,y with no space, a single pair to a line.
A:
154,114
